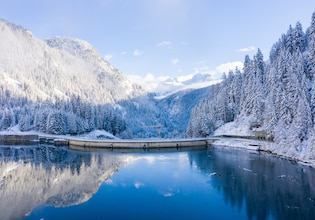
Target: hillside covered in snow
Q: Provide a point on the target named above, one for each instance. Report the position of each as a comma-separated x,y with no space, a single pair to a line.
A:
58,68
276,97
63,86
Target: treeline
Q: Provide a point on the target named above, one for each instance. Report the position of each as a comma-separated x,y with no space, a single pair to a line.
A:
61,117
278,95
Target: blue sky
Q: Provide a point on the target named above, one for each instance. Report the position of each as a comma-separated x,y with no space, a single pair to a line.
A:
154,38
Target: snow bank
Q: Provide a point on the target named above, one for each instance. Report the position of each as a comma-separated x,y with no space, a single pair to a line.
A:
241,143
98,135
16,130
257,145
239,127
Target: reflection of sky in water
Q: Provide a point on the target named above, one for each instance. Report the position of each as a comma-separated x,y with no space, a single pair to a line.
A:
218,183
151,186
162,187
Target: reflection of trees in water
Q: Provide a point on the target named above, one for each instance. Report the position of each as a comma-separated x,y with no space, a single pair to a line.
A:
266,185
47,155
31,176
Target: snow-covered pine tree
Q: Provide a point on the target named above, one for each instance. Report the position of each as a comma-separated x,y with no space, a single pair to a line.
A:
55,122
235,92
311,63
246,95
7,119
71,122
311,47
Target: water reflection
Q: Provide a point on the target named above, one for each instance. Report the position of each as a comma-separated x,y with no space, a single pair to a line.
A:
32,176
218,183
265,185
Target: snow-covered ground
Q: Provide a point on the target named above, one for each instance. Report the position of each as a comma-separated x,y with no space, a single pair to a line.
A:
98,135
241,127
241,143
16,130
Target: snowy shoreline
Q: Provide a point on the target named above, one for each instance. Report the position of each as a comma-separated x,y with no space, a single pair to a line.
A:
257,145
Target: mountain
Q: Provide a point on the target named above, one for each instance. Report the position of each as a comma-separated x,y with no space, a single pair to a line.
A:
174,84
63,86
58,68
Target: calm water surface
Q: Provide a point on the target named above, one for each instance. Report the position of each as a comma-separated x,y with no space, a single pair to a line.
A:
44,182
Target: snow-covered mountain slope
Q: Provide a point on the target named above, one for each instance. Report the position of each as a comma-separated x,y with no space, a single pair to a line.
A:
58,68
63,86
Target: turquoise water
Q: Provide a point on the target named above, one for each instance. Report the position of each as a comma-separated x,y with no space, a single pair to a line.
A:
215,183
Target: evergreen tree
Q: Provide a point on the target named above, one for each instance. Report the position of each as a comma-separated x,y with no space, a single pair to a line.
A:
7,119
43,119
311,48
71,121
55,123
311,62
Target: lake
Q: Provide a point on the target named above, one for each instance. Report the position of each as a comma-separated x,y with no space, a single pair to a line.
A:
45,182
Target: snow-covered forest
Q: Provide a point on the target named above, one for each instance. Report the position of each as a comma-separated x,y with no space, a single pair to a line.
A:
276,96
63,86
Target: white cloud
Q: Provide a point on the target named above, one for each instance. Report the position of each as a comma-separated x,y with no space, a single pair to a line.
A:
149,77
247,49
175,61
108,57
203,70
166,44
123,53
137,52
149,81
219,70
226,67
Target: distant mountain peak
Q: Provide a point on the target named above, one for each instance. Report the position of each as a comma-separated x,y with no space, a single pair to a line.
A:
193,81
199,78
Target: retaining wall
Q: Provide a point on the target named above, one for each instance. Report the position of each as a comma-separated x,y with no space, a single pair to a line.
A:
143,144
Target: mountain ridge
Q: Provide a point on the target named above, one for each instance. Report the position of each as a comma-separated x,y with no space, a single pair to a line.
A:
72,59
63,86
